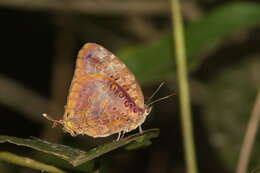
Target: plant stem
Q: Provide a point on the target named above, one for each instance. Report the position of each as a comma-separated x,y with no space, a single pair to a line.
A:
181,64
27,162
249,138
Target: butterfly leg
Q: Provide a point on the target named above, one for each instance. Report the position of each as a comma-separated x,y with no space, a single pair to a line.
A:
118,137
123,134
140,129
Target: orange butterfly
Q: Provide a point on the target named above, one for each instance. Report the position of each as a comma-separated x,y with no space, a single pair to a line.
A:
104,97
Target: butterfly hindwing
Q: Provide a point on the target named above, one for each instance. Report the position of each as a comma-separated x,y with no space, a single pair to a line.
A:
97,106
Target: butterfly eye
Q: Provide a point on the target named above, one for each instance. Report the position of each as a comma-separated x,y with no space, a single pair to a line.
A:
113,87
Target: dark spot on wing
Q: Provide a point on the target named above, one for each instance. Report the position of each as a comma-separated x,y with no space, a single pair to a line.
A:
89,55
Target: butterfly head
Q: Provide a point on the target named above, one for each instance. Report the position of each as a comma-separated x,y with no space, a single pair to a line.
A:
147,110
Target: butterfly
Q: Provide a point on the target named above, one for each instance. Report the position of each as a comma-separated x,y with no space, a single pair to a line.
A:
104,96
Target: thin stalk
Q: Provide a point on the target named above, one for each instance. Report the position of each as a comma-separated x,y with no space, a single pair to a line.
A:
249,138
27,162
187,129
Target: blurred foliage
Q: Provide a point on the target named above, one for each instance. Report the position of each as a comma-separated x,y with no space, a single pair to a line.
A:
88,166
75,156
27,162
155,61
228,106
231,94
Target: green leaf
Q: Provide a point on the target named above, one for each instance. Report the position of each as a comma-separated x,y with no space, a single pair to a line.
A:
155,61
150,62
28,162
54,160
217,25
137,145
76,156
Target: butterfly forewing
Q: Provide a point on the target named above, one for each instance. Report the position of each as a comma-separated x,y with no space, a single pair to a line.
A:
94,59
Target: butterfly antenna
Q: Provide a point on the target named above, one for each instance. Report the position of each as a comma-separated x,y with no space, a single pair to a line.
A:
154,93
55,122
160,99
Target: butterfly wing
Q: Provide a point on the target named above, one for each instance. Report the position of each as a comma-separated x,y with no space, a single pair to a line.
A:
94,59
98,106
104,97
